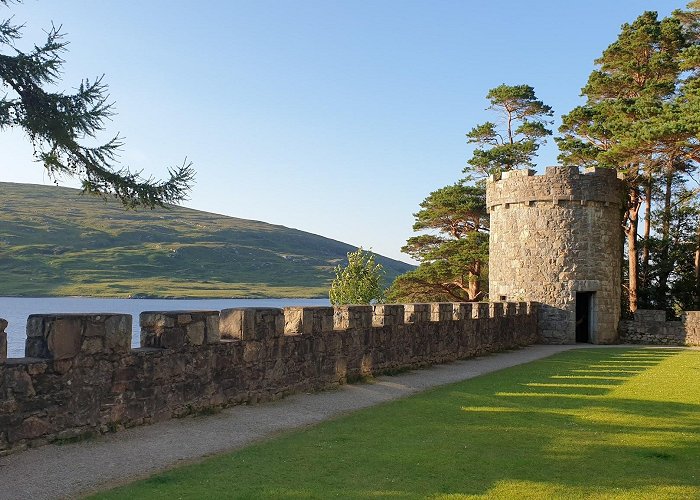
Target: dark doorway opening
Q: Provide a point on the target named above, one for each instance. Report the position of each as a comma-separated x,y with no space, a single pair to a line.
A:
584,302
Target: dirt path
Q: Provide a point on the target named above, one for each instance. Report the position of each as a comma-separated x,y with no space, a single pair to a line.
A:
75,469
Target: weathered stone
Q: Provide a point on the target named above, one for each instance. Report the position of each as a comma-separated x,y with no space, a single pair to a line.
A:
118,332
20,382
552,236
213,335
184,319
35,325
442,311
92,345
651,327
175,329
251,324
387,315
352,317
3,340
64,337
307,320
195,333
31,427
40,400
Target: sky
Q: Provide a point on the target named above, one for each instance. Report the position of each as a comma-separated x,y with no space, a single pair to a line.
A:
333,117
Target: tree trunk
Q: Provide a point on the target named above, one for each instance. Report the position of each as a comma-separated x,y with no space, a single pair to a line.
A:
647,230
665,267
631,233
697,269
474,290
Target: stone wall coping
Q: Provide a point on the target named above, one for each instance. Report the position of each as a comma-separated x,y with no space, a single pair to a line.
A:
183,311
75,315
25,361
257,323
571,171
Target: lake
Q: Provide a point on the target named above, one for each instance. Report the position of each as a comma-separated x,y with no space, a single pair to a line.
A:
16,310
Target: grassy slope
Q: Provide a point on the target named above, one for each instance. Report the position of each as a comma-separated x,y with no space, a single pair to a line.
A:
598,423
53,241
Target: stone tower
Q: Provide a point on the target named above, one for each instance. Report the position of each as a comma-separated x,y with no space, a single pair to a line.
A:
557,239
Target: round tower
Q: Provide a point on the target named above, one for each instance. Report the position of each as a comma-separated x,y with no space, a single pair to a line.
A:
557,239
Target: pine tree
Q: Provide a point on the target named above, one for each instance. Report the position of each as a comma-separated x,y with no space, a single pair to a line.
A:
524,120
632,121
58,124
453,254
453,262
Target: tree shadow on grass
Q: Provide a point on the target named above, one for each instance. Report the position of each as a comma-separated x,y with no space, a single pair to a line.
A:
567,426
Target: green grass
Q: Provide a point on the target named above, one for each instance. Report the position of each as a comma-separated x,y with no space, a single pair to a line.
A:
598,423
54,241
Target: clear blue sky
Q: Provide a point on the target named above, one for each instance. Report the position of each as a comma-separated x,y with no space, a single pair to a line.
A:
332,117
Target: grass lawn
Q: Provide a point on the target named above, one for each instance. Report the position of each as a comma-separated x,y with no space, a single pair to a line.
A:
594,423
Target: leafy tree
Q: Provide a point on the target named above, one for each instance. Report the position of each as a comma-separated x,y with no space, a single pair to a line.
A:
360,282
60,125
453,262
524,120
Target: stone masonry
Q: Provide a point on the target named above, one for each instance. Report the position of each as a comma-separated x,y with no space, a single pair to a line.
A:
552,236
81,377
651,327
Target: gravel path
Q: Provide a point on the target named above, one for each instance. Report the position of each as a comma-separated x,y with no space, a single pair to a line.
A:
75,469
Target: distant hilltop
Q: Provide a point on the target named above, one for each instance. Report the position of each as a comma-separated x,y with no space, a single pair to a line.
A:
56,242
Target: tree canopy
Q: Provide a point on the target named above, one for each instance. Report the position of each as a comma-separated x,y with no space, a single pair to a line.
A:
642,118
515,143
454,256
360,282
62,126
452,244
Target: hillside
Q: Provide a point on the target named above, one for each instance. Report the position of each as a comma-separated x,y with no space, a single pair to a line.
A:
55,241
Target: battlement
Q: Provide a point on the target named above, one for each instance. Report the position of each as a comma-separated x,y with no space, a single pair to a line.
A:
558,185
81,375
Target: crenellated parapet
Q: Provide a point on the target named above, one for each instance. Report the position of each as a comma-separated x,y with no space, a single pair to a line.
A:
81,376
558,185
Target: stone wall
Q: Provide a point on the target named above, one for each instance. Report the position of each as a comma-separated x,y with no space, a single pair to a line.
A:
81,377
3,339
553,235
651,327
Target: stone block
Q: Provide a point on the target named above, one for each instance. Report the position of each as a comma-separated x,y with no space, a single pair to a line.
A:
251,323
441,311
117,330
416,313
307,320
387,315
3,340
213,336
64,336
176,329
462,311
496,309
352,317
482,309
649,315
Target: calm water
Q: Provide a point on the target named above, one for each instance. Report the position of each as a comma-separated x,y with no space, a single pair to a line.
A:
16,309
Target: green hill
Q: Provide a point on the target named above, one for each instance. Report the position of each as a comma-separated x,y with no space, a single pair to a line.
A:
55,241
